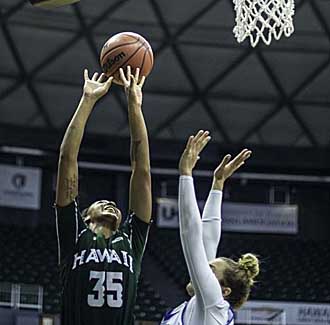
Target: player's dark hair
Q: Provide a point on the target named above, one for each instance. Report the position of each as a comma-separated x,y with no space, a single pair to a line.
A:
84,214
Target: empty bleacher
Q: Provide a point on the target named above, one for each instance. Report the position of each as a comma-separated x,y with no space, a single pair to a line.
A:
291,269
30,256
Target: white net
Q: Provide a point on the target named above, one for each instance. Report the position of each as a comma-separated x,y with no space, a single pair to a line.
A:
263,19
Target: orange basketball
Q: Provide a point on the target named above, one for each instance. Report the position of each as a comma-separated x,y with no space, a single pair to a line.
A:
125,49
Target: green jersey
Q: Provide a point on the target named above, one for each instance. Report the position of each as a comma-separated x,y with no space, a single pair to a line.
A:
99,276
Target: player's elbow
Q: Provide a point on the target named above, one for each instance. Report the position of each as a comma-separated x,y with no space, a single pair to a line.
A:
142,170
190,231
188,222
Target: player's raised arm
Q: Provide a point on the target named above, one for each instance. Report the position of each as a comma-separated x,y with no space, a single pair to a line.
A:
140,183
67,176
212,210
206,286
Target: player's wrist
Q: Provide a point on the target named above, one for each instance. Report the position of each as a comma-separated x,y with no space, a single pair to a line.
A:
88,98
134,103
185,172
218,184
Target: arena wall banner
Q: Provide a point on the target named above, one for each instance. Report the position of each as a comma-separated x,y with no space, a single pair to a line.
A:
261,218
239,217
167,213
20,187
289,313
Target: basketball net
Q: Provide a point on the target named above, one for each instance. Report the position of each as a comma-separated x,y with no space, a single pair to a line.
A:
263,19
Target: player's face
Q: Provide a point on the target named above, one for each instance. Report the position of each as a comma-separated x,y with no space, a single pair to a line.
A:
218,267
106,213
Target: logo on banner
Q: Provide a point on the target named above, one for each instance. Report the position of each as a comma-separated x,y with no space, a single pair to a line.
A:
18,181
167,215
20,187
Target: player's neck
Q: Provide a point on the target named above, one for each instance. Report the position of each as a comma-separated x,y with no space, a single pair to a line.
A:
100,229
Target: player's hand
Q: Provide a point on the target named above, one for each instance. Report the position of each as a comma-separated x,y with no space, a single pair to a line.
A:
191,153
96,87
133,85
226,168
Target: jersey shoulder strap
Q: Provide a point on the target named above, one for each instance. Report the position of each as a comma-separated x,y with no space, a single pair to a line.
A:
231,316
175,316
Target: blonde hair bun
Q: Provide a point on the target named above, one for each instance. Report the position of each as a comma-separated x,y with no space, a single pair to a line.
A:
250,264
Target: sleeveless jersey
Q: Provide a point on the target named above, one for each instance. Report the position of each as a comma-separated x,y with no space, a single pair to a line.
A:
99,276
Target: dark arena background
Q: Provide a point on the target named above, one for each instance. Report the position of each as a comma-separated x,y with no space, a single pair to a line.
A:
274,100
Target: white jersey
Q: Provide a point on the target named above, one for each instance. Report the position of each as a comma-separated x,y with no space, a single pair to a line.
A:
175,316
200,239
184,315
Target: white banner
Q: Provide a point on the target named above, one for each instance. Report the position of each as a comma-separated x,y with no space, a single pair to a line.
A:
261,218
289,313
20,187
239,217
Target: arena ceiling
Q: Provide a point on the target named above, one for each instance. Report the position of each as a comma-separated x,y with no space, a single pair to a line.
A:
202,78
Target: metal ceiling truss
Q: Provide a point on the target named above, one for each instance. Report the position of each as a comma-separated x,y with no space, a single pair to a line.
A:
289,100
285,99
307,81
65,47
186,70
184,27
202,95
13,10
221,76
24,76
171,41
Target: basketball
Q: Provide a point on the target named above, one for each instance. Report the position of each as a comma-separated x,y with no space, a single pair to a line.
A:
126,49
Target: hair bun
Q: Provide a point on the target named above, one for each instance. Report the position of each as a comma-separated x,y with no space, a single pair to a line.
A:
250,264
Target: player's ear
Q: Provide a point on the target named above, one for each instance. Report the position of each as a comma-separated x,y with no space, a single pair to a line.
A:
190,289
226,291
119,219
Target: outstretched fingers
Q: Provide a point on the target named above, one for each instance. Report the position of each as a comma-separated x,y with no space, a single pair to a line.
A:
242,156
189,142
138,79
203,141
239,160
95,75
133,81
224,162
86,77
141,83
137,74
101,78
198,142
128,72
108,83
123,77
129,80
197,136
